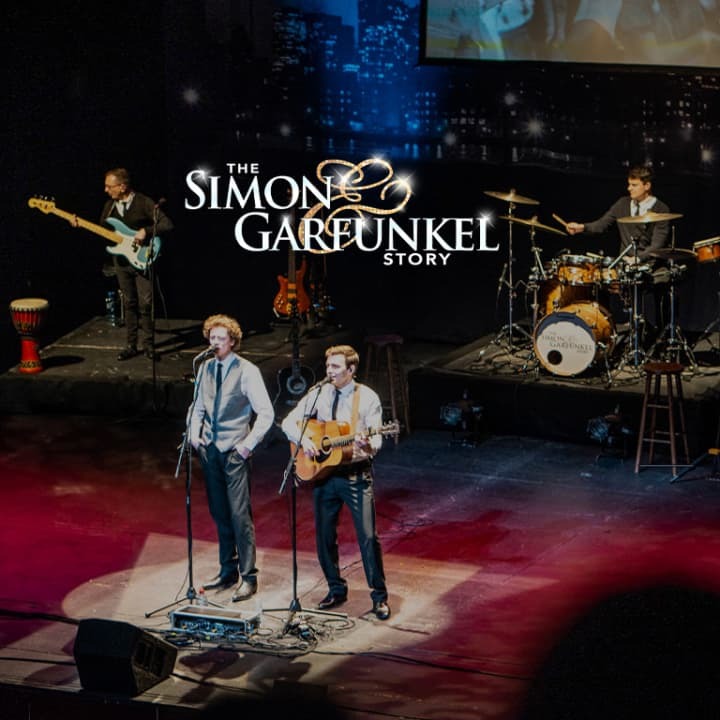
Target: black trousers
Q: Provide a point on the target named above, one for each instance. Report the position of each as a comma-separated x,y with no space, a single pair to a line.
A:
136,290
355,492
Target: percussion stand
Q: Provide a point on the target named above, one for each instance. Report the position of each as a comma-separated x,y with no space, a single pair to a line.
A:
672,336
506,280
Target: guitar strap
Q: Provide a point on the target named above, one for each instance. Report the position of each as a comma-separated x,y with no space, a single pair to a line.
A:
355,407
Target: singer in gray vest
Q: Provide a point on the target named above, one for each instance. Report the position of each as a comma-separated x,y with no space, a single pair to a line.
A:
229,391
340,398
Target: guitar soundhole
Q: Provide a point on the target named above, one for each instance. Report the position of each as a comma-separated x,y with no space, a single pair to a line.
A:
296,386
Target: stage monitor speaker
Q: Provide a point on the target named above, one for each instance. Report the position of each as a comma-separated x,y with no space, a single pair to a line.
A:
117,657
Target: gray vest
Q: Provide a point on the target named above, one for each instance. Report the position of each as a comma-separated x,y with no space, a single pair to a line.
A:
234,412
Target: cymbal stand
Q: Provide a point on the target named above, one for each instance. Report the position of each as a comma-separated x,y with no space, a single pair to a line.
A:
634,354
672,336
505,335
537,274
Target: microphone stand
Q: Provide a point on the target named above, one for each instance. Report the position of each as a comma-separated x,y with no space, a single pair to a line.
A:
185,449
295,606
151,277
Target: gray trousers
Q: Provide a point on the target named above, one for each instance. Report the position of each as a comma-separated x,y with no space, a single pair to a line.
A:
227,483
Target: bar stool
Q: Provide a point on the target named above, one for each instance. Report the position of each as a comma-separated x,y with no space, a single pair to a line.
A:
672,403
385,372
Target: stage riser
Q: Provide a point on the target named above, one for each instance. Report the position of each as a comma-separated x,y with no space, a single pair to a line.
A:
541,409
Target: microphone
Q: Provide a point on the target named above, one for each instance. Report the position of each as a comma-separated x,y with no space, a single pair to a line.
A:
209,352
322,382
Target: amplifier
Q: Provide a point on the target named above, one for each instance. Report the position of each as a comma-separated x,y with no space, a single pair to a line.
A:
213,623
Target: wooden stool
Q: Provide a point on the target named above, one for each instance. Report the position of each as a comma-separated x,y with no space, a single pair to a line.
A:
672,403
384,372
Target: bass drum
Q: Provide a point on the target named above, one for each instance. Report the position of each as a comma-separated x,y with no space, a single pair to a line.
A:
567,342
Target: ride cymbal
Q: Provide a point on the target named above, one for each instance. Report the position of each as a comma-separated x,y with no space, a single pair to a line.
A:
649,217
532,222
672,254
511,197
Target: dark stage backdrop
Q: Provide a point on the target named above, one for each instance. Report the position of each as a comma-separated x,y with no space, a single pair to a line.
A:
167,87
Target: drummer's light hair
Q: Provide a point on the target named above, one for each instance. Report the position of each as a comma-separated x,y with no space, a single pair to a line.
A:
348,351
641,172
230,324
121,175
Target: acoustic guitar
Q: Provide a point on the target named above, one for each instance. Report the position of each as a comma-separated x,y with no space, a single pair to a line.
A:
139,256
334,441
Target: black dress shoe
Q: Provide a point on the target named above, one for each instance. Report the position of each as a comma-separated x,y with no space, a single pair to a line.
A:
244,590
127,353
221,582
381,610
331,601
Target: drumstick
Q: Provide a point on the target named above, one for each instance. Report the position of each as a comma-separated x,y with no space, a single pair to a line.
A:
560,220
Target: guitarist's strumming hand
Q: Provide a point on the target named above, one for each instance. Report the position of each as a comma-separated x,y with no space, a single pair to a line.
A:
309,447
140,237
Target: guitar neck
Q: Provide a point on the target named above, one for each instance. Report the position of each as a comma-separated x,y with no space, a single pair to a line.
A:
87,225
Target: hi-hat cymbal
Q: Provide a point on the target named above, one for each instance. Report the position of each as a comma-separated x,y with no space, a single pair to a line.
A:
649,217
533,222
511,197
672,254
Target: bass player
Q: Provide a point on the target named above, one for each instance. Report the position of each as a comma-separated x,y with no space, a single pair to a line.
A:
341,398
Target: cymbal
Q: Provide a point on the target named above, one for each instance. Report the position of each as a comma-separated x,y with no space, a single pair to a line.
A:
649,217
512,197
672,254
533,222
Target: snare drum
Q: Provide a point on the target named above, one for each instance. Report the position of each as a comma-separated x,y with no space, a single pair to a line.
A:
569,341
28,317
576,270
707,250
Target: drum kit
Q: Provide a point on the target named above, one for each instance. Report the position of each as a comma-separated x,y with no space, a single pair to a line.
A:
572,329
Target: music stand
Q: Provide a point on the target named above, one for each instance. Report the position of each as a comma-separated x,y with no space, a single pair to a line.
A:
185,451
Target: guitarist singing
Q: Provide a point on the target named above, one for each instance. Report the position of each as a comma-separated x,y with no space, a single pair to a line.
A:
143,215
340,398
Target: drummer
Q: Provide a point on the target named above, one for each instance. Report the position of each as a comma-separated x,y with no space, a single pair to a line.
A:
639,201
648,237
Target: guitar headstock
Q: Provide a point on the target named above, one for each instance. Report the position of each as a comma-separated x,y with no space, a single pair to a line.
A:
390,428
42,204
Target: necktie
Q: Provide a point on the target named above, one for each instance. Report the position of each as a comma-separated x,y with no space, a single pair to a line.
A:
216,405
637,208
336,399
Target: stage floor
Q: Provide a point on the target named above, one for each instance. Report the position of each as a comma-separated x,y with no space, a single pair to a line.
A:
492,552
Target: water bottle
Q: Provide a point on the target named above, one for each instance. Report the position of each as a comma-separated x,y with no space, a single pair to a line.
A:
201,597
111,307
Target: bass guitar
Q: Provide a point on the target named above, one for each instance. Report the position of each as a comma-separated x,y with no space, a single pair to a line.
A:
334,441
139,256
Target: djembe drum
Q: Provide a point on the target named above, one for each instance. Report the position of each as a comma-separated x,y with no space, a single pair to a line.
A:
28,316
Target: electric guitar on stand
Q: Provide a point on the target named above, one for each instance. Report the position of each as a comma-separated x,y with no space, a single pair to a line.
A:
291,297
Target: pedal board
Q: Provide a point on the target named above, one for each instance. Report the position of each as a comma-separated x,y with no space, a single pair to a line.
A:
214,623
